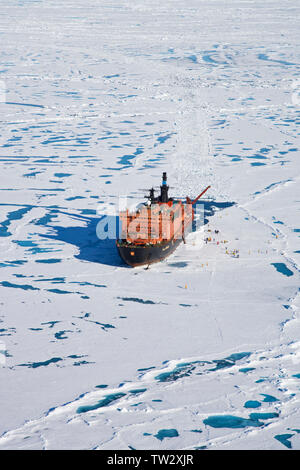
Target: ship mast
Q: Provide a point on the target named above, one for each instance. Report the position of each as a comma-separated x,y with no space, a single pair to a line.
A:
164,197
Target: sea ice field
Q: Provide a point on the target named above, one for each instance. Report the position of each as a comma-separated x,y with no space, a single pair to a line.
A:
97,99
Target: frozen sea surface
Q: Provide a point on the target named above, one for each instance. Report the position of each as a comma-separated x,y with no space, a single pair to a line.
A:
203,349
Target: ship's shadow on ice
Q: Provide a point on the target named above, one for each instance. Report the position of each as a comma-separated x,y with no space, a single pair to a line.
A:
210,208
104,251
85,238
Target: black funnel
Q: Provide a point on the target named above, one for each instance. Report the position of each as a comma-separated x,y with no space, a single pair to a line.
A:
164,189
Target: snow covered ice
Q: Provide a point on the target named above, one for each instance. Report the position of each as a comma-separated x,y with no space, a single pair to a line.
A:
97,100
